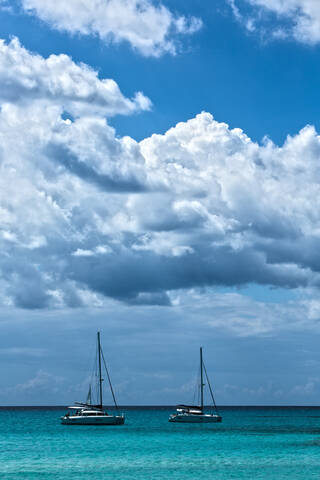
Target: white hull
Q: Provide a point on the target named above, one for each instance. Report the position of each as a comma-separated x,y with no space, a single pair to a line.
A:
189,418
91,420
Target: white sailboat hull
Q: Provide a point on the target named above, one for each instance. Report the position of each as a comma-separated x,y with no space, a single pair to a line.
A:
87,413
189,418
195,413
91,420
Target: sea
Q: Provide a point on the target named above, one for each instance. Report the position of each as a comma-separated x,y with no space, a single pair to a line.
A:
261,443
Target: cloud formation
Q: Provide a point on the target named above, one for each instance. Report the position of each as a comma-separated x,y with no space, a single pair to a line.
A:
151,29
87,215
299,19
27,77
240,336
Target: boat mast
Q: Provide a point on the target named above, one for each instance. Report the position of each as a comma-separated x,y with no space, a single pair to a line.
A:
201,379
100,376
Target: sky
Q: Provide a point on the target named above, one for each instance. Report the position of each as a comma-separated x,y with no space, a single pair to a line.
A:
160,183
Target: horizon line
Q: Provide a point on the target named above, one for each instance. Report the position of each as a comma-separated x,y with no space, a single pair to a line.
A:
161,406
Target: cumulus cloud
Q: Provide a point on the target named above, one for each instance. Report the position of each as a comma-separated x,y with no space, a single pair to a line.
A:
26,77
87,215
299,19
151,29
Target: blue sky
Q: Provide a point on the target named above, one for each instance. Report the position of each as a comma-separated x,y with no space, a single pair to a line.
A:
160,183
264,87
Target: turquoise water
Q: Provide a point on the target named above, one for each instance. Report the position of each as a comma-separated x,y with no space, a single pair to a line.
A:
251,443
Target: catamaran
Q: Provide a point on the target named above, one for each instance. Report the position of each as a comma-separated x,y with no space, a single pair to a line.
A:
94,414
195,413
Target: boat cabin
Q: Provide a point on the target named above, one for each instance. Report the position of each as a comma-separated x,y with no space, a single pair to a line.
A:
189,409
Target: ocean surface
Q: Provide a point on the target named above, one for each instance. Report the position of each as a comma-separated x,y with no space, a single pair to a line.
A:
250,443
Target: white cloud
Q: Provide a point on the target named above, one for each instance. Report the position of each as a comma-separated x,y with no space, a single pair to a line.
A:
302,18
27,77
238,313
87,215
149,28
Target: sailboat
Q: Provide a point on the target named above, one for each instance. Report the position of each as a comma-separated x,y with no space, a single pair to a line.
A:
94,414
195,413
